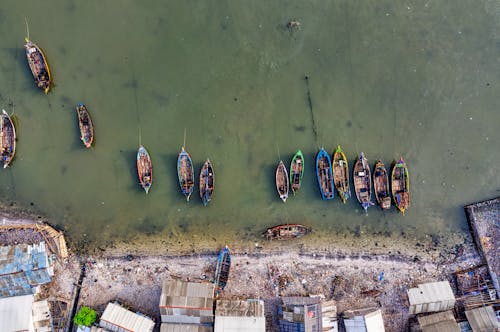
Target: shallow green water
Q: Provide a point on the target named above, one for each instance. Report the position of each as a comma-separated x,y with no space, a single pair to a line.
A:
418,79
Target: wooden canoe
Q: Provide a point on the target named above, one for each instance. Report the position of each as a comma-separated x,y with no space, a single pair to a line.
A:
286,232
400,180
38,65
7,138
296,171
324,174
282,184
362,182
144,168
381,186
206,182
222,270
85,124
341,174
185,173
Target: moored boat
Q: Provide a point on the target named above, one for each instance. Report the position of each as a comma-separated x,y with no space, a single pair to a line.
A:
85,124
7,138
206,182
296,171
144,168
400,185
286,232
38,65
282,184
185,173
324,174
341,174
222,270
362,181
381,186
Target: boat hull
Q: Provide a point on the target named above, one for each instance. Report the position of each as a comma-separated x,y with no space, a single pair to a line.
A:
282,184
222,270
341,174
38,65
207,179
362,182
7,139
381,186
144,169
85,124
286,232
400,185
324,174
185,173
296,171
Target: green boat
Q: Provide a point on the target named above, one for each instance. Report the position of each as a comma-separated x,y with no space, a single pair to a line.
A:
296,171
341,174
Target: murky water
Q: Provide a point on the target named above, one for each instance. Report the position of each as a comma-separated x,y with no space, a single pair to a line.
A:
417,78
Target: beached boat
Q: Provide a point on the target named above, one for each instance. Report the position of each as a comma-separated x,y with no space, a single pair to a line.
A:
185,173
206,182
7,138
282,184
38,65
85,124
296,171
144,168
362,182
286,232
400,180
324,174
381,186
222,270
341,174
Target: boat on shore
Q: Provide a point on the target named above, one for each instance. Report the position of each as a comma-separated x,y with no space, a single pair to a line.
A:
144,168
341,174
400,181
282,184
7,138
222,270
38,65
185,173
206,182
286,232
296,171
85,124
381,186
362,182
324,174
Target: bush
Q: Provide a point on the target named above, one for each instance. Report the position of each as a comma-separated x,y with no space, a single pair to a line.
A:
85,316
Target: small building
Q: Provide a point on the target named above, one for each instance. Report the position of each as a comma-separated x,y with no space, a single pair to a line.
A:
118,319
483,319
300,314
431,297
439,322
363,320
239,316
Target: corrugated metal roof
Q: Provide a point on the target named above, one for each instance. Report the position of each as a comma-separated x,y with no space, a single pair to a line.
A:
240,308
184,328
15,313
239,324
433,296
116,315
300,300
440,322
189,289
368,321
482,319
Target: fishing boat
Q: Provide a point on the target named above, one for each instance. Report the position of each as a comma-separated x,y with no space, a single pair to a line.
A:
7,139
282,184
144,168
185,173
222,270
341,174
400,179
286,232
362,182
38,65
324,174
296,171
381,186
85,124
206,182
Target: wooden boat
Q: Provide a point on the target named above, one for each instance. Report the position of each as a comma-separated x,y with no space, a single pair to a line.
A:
296,171
400,179
282,184
7,139
286,232
144,168
381,186
206,182
38,65
324,174
185,173
341,174
85,124
362,182
222,270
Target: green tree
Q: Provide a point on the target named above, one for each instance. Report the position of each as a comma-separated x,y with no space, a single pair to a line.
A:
85,316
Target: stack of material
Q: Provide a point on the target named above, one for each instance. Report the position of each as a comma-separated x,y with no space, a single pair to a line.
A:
440,322
118,319
431,297
300,314
240,316
329,316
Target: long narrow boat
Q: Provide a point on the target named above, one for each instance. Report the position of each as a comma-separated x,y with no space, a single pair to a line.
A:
341,174
206,182
296,171
400,179
362,182
324,174
144,168
185,173
38,65
286,232
222,270
381,186
85,124
7,138
282,184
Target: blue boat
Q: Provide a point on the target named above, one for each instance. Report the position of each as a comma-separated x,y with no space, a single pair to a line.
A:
324,174
222,271
185,173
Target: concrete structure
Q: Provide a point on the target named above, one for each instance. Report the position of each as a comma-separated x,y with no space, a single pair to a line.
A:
118,319
300,314
364,320
440,322
239,316
483,319
431,297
